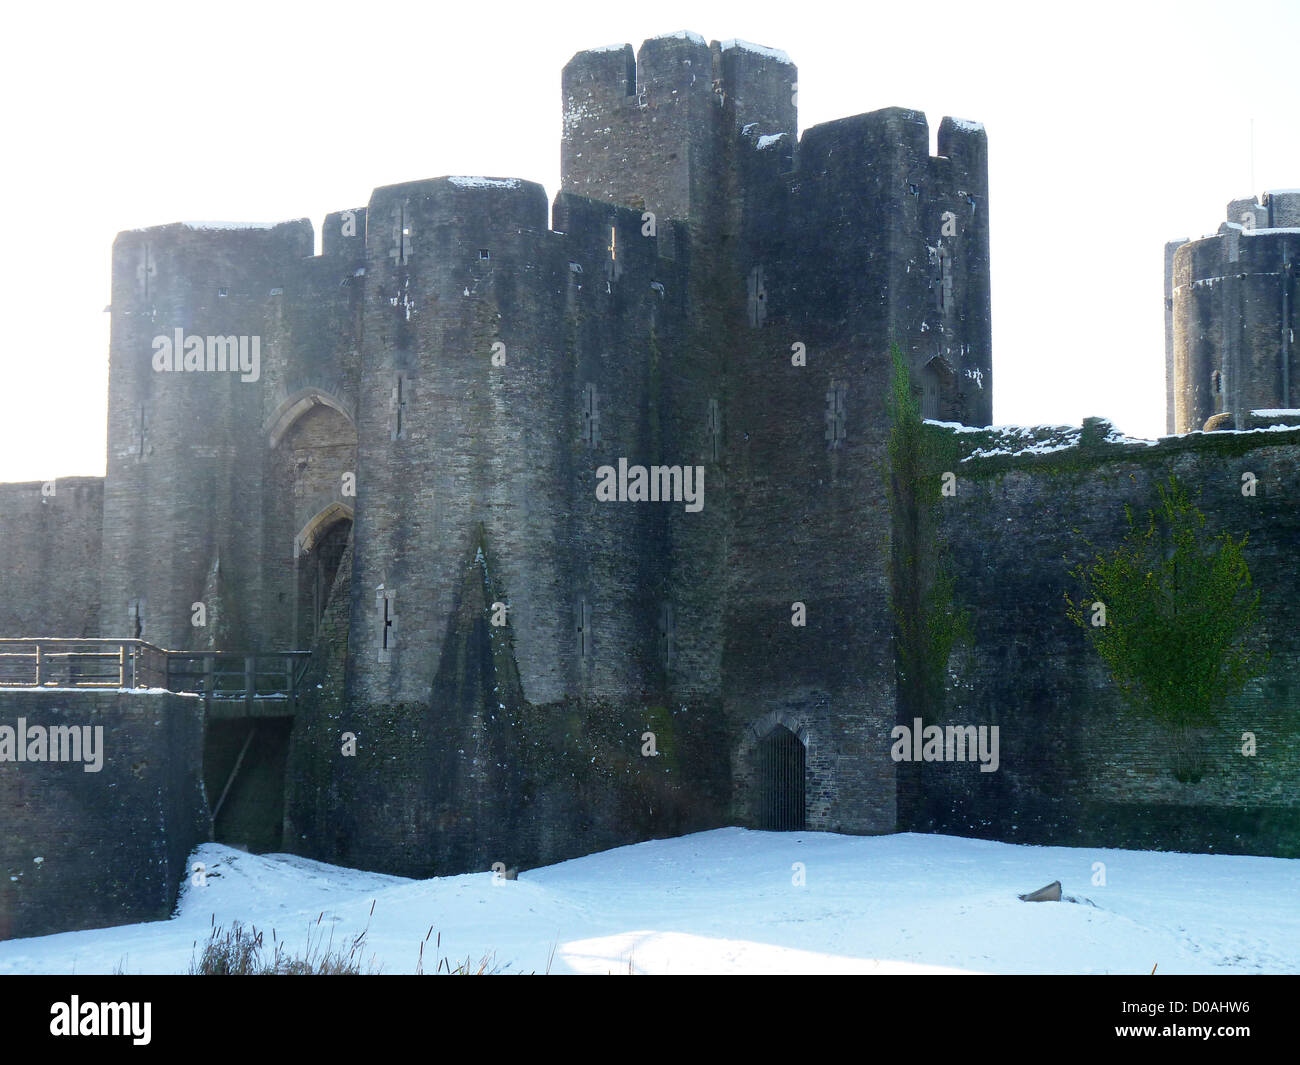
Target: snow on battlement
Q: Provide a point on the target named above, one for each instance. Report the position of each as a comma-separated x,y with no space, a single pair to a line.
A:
680,35
757,49
230,225
484,182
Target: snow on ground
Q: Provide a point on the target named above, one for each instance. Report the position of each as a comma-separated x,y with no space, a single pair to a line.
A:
726,902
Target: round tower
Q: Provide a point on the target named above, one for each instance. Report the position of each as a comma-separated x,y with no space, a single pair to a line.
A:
1232,316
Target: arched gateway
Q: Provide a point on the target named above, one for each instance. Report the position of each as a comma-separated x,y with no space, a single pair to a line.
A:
781,758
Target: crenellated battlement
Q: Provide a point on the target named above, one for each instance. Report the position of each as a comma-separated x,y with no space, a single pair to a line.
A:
1275,209
656,130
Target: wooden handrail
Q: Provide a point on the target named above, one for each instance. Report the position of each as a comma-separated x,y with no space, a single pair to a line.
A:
85,663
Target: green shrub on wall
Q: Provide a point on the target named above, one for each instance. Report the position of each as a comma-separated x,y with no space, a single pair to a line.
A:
1171,612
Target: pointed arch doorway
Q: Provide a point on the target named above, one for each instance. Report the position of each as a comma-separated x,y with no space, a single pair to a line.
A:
781,763
321,546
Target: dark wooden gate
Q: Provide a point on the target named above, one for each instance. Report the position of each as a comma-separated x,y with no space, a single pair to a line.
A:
781,781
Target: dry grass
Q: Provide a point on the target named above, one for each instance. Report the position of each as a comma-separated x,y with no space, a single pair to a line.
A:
485,966
241,951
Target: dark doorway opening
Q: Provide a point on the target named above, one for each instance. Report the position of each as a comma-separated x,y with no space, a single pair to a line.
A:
316,573
938,388
781,781
243,772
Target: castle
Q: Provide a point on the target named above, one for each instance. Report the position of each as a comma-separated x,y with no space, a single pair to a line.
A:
392,454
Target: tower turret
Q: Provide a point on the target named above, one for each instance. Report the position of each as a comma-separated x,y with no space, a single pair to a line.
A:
1232,316
651,131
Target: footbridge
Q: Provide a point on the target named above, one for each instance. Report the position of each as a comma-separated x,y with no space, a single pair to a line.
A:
233,685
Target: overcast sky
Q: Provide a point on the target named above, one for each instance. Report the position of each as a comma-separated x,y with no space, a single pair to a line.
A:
1112,128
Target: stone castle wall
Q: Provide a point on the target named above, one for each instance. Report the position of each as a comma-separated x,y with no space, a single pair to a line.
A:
85,849
1076,765
50,532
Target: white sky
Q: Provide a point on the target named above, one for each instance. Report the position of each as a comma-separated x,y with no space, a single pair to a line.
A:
1113,127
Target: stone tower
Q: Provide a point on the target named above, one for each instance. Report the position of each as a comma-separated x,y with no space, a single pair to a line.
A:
1230,316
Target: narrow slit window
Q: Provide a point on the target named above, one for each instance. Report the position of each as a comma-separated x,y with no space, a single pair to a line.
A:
590,416
836,430
386,619
398,402
584,628
401,249
613,267
667,636
943,290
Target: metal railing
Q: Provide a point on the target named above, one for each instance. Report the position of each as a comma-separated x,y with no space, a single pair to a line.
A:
231,678
219,676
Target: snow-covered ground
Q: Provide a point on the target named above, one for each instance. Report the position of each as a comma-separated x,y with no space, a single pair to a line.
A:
728,901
